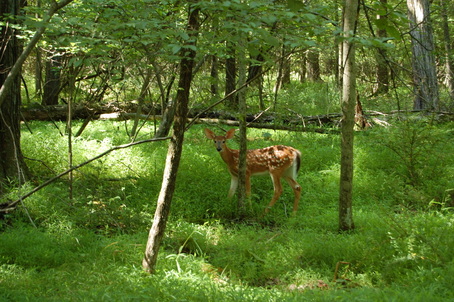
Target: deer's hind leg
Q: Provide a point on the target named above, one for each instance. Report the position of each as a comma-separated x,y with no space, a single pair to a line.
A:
277,191
296,189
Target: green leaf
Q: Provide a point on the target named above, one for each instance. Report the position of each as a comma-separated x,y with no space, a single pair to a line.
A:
175,49
393,32
271,40
295,5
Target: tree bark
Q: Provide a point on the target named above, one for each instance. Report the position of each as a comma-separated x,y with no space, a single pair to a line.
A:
255,70
449,63
230,76
175,147
313,66
382,64
52,81
242,119
348,116
214,74
423,59
141,100
15,70
12,165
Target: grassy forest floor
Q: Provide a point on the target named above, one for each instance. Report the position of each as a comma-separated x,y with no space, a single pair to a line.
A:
90,248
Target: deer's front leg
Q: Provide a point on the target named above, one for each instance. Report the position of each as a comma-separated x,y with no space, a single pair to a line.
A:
233,185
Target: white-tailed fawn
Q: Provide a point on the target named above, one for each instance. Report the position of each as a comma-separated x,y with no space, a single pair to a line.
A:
278,161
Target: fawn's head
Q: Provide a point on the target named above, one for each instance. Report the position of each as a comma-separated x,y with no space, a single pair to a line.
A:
219,140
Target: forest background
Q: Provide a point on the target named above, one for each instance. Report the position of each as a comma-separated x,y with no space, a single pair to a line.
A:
277,69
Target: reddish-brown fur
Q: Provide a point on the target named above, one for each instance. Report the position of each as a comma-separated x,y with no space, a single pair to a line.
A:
278,161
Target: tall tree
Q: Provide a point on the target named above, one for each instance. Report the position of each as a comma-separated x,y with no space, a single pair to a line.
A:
313,65
176,144
382,64
12,57
423,59
242,166
12,165
350,17
230,75
449,61
52,82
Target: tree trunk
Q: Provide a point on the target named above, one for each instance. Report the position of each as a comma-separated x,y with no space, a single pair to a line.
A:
313,66
15,70
449,63
168,111
175,147
12,165
214,74
255,70
424,73
302,67
141,100
38,73
242,119
348,116
382,85
230,76
52,81
286,70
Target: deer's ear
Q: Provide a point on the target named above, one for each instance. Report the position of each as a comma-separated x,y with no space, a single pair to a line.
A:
230,134
209,133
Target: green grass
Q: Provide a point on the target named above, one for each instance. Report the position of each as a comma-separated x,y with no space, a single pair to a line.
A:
90,248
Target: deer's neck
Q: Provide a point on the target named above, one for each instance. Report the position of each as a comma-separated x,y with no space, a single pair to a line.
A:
230,157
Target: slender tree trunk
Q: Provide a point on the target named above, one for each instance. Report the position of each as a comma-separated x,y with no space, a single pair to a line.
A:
15,70
38,73
242,118
382,64
12,165
214,74
286,71
449,63
280,75
313,66
230,76
348,116
303,67
175,147
424,72
255,69
141,100
168,109
52,81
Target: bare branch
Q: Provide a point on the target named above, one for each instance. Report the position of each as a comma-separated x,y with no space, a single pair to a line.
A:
5,208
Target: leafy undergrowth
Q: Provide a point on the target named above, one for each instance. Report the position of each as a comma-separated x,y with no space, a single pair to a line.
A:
90,248
397,257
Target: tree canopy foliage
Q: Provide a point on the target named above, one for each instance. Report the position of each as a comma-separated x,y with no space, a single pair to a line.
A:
109,47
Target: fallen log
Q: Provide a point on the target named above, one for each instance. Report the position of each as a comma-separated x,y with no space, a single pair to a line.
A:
270,120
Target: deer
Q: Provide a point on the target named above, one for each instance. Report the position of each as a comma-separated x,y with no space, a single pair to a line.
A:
278,161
